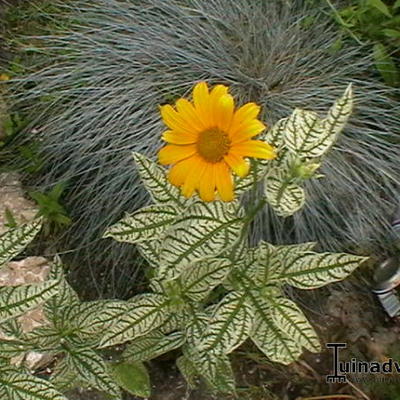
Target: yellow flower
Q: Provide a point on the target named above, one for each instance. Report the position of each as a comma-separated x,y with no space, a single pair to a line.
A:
208,139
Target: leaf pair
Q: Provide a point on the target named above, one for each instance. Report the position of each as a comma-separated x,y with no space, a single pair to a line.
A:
302,139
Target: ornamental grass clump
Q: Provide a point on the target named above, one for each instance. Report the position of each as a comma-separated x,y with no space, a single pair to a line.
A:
96,101
210,289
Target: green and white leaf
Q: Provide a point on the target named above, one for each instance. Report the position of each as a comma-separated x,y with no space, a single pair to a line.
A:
15,301
64,376
79,317
150,250
288,317
155,181
149,223
274,343
312,270
309,136
243,276
338,114
12,328
142,316
175,321
216,369
271,260
230,325
99,318
92,369
200,278
14,241
65,297
276,135
18,386
195,328
282,194
188,370
152,345
10,348
44,338
305,135
205,230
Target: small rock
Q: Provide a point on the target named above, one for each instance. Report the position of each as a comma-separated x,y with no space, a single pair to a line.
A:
12,198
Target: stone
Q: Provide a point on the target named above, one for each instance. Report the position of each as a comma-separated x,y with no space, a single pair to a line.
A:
12,198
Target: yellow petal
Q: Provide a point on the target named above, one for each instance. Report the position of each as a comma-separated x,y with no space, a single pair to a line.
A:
178,172
175,122
224,112
237,164
170,154
189,114
201,99
244,114
175,137
248,130
223,181
193,178
207,183
216,93
254,148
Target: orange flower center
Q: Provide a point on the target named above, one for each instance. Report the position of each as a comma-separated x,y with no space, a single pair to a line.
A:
213,144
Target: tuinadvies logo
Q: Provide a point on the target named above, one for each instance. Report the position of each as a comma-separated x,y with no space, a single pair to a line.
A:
354,366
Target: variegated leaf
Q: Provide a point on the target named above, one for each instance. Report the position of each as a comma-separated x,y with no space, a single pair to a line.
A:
271,259
216,369
91,319
79,318
150,250
152,345
200,278
15,301
230,325
205,230
44,338
188,370
10,348
18,386
92,369
149,223
142,316
284,196
243,276
312,270
175,321
308,135
66,296
15,240
339,113
274,343
288,317
276,135
304,134
64,376
155,181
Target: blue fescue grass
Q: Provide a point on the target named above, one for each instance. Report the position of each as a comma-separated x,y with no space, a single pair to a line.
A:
97,100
